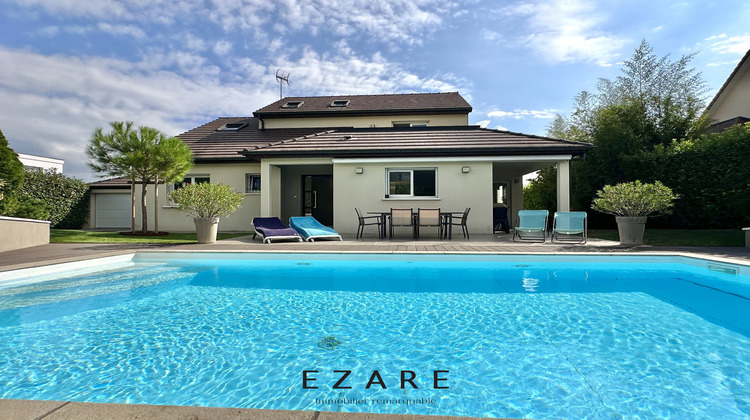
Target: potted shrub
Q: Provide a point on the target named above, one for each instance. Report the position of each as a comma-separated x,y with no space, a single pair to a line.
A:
207,202
632,203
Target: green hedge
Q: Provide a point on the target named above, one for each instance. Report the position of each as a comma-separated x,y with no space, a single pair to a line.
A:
66,198
711,174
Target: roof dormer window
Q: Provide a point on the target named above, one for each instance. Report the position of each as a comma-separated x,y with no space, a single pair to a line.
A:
340,103
293,104
232,126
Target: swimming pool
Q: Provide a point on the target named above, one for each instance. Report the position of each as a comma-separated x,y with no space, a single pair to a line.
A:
509,336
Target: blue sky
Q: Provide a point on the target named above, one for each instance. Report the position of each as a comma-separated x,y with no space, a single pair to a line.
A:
69,66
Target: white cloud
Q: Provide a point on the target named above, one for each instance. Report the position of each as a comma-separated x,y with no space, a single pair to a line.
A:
523,113
324,74
131,30
724,44
568,31
483,123
222,47
50,104
500,127
396,22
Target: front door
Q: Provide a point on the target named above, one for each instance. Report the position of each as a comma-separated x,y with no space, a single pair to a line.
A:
318,197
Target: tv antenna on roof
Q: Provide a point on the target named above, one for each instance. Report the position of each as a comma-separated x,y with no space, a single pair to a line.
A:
282,77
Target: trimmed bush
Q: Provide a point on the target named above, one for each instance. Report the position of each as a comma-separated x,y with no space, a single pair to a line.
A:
634,199
66,198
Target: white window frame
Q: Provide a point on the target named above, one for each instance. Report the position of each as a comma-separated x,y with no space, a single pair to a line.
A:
248,190
410,171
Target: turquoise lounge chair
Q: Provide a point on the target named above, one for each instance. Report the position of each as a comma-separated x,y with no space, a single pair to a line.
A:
532,225
570,226
311,229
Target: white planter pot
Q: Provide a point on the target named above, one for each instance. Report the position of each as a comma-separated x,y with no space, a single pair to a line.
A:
206,228
631,229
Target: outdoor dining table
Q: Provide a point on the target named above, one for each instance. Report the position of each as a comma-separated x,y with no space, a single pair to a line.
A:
447,217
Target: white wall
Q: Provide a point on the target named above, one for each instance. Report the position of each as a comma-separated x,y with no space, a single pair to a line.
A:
41,162
735,100
232,174
433,120
456,191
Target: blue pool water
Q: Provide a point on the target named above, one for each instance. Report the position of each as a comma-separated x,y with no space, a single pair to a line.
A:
521,336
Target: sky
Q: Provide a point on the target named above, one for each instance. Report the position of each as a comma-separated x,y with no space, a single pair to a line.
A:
70,66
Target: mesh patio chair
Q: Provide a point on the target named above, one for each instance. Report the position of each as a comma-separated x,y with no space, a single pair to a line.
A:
429,218
570,226
461,221
368,221
532,226
401,218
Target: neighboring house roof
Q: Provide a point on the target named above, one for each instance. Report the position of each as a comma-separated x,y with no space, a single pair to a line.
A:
403,104
736,70
112,183
208,144
416,142
723,125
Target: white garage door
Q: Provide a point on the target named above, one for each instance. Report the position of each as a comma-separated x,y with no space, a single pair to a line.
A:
112,210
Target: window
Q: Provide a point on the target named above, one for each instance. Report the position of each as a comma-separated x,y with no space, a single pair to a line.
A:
188,179
293,104
252,183
232,126
404,124
340,103
413,182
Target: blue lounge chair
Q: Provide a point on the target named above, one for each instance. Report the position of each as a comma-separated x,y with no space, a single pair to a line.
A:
532,225
311,229
272,228
572,225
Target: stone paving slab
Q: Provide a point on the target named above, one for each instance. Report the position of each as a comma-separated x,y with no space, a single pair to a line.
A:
62,410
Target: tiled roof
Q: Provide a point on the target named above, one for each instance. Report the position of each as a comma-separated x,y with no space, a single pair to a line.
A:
121,182
413,142
448,102
209,144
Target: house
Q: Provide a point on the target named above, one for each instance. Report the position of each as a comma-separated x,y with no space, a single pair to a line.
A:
40,163
731,105
323,156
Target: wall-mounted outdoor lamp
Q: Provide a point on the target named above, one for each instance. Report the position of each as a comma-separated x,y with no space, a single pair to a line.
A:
466,169
359,171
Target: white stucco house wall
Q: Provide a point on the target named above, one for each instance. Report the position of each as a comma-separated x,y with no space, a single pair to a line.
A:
731,105
324,156
40,163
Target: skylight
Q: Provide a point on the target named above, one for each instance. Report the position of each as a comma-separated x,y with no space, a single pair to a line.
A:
293,104
340,103
232,126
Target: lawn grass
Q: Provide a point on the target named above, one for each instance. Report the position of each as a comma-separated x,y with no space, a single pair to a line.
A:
681,237
64,236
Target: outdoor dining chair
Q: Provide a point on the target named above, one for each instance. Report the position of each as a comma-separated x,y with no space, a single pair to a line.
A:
570,226
460,221
368,221
401,218
429,218
532,225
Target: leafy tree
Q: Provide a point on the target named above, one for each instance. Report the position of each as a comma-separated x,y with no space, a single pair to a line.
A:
144,154
654,101
66,198
11,172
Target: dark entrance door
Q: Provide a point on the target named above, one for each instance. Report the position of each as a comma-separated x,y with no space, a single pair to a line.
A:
318,197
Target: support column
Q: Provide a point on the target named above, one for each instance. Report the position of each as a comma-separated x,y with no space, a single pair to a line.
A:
563,185
266,189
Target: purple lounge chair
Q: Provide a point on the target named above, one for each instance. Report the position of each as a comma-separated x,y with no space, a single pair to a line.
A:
272,228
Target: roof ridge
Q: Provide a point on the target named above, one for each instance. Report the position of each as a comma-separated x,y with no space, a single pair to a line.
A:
368,94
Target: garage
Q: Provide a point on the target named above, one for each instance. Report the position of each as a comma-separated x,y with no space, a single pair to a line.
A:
112,210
